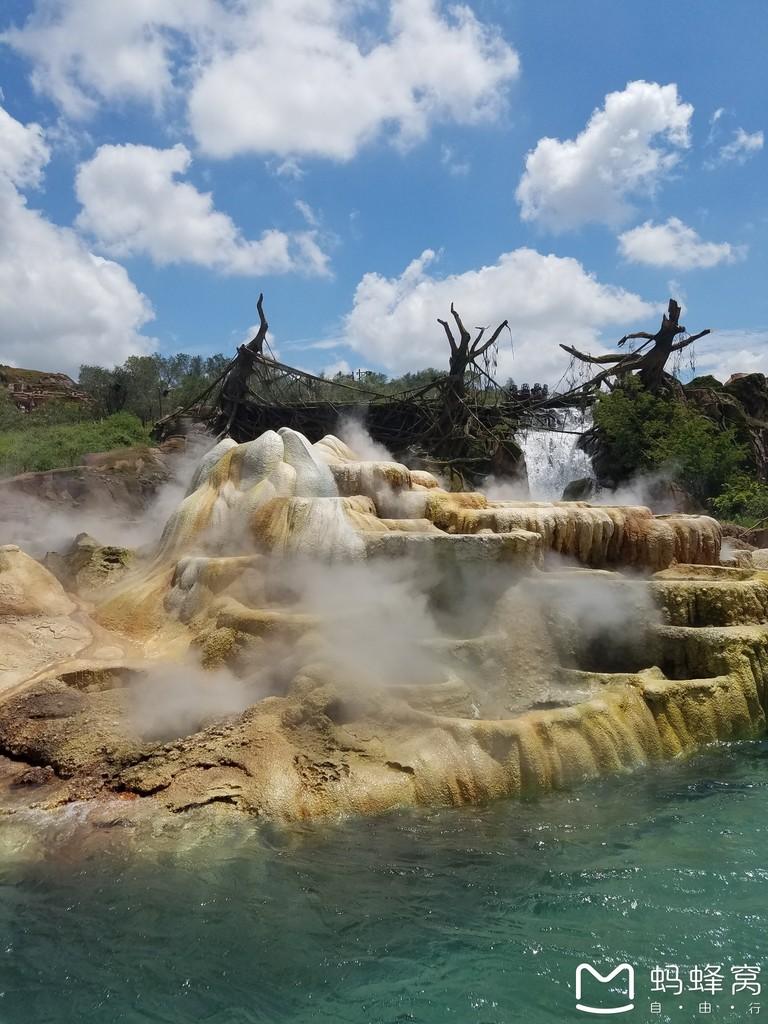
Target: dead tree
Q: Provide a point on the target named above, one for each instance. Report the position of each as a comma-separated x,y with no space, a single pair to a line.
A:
648,365
235,388
464,355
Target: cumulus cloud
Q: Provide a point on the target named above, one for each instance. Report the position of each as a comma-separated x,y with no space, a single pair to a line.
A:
299,83
86,51
23,151
741,147
60,305
547,299
626,149
286,77
133,203
674,244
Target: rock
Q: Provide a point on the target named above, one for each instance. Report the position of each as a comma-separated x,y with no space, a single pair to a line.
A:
86,564
500,675
757,538
27,588
35,776
594,535
665,496
742,403
580,490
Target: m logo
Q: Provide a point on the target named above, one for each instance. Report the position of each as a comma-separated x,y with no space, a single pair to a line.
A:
605,979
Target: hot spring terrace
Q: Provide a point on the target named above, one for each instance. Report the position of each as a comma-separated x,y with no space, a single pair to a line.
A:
317,634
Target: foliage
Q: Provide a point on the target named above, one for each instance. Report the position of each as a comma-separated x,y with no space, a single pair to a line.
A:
743,500
705,381
40,446
645,433
150,386
11,417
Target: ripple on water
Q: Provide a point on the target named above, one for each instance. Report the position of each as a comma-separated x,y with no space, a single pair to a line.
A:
472,915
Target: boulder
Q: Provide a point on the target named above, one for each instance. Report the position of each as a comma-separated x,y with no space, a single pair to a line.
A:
86,564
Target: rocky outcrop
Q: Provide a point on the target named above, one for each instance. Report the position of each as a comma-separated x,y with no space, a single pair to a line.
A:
741,403
318,635
124,479
87,565
39,622
594,535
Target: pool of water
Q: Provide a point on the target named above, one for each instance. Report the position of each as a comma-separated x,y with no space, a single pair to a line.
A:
474,915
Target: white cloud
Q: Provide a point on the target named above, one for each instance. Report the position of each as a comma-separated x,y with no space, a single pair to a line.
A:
742,146
286,77
547,299
713,125
289,168
23,151
297,81
60,305
625,150
84,51
133,203
340,366
674,244
453,163
307,212
732,351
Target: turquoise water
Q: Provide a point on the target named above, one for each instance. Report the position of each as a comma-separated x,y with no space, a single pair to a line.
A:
474,915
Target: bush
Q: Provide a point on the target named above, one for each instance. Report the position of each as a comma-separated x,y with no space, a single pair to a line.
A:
643,433
41,447
743,500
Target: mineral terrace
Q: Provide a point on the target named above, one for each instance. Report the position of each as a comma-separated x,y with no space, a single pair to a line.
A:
316,635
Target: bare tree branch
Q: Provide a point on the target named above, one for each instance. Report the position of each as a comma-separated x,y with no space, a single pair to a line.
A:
465,335
492,340
448,333
256,344
637,334
585,358
690,341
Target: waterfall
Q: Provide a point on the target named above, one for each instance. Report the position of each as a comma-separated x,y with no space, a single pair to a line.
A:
552,457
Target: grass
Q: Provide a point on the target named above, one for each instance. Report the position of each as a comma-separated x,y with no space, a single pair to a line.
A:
42,446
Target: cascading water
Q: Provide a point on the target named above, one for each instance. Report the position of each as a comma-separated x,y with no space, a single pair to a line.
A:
553,458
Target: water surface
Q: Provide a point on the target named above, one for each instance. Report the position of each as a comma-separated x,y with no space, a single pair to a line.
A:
474,915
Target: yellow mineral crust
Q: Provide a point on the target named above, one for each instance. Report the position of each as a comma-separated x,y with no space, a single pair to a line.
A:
292,766
537,677
594,535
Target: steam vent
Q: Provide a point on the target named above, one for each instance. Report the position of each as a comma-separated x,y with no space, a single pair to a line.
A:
319,635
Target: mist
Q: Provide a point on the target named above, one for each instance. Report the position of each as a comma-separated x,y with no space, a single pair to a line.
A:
353,433
38,525
174,699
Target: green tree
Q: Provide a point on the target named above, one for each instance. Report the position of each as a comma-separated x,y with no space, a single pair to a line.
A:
743,500
641,432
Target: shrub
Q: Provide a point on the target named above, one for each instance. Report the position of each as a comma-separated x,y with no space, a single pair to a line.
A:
644,433
41,447
743,500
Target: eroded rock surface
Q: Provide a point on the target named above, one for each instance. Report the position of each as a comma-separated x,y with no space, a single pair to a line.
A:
318,634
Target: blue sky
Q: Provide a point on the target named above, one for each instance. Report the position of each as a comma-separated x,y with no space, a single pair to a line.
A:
567,165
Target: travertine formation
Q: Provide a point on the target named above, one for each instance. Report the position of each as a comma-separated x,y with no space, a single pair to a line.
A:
318,634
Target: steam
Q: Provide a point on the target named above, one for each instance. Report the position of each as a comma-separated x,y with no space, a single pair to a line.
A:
498,488
601,621
38,525
172,700
656,491
374,620
354,435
